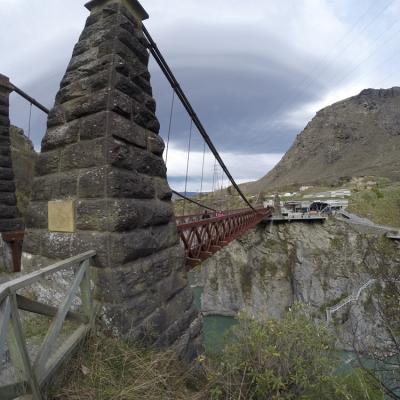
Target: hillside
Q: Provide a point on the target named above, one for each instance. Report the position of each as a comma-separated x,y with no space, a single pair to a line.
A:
23,158
358,136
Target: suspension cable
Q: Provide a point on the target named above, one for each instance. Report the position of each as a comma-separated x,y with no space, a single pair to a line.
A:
202,168
47,111
187,162
193,201
158,57
29,121
169,126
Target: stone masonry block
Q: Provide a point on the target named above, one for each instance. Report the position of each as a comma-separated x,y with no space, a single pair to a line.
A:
57,245
4,120
83,87
92,182
56,116
7,186
83,59
86,105
60,136
124,156
55,187
139,243
6,174
85,154
124,128
12,224
32,241
94,126
126,184
5,162
48,163
8,212
106,215
8,198
36,215
89,69
163,191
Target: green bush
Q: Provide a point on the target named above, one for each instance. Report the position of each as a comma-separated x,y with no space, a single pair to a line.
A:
290,358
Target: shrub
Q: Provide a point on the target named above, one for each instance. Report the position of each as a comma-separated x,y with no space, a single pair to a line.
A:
290,358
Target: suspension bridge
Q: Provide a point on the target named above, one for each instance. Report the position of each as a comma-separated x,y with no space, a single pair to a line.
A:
101,205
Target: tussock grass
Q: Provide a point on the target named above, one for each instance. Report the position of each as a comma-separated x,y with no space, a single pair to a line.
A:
381,205
109,368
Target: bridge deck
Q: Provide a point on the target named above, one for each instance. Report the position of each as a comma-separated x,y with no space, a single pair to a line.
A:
301,218
202,237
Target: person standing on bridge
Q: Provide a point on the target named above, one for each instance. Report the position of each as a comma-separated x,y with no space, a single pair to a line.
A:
205,215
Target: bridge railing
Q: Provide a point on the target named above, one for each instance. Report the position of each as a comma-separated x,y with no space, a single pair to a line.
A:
185,219
204,237
30,376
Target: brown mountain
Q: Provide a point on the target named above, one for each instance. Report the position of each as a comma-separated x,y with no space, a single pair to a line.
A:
359,136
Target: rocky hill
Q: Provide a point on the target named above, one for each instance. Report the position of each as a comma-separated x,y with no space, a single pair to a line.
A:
23,159
359,136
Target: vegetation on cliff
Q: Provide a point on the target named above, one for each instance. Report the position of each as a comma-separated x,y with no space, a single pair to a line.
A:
290,358
380,204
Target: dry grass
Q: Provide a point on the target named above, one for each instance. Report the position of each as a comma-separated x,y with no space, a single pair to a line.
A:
381,205
109,368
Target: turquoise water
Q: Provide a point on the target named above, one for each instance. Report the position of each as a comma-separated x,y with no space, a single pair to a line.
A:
214,326
214,330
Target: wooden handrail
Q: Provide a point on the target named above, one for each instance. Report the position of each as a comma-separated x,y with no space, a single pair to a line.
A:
26,280
33,375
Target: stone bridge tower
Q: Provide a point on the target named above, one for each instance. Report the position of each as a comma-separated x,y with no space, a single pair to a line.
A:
101,183
11,224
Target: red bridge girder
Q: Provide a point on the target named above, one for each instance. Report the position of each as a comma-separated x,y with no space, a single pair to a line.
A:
202,238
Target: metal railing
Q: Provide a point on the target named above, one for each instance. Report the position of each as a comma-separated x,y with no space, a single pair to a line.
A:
350,299
31,376
204,237
185,219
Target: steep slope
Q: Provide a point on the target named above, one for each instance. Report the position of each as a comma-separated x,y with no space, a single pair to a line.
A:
359,136
272,267
23,158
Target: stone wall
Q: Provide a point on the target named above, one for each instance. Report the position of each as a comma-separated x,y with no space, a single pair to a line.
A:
102,151
10,220
9,215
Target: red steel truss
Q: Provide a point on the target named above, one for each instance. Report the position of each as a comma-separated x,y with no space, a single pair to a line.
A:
204,237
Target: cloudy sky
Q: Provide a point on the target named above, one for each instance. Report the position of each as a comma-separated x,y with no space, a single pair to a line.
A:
255,71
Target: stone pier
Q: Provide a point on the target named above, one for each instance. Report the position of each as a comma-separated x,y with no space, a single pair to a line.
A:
101,184
11,224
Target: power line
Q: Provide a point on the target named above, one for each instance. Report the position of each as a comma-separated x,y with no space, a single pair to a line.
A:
307,81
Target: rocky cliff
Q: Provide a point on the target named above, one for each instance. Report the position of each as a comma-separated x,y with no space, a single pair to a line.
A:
23,159
271,268
359,136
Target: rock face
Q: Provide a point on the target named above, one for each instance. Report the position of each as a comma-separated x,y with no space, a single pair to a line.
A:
103,152
359,136
268,270
24,159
